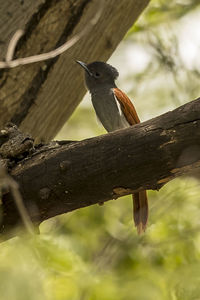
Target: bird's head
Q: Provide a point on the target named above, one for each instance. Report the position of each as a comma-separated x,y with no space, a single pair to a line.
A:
99,75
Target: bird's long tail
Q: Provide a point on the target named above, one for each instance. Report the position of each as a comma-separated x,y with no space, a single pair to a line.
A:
140,210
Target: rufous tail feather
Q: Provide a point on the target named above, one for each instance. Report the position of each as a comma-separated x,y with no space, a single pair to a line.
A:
140,211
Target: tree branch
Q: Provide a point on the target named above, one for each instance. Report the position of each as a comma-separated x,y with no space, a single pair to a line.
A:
64,176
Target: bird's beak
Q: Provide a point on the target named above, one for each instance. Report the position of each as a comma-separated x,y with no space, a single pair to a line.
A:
84,66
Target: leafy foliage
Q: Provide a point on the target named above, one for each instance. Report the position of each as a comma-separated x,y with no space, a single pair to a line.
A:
95,253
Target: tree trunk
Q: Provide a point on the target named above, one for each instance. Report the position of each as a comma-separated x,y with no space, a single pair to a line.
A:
40,97
64,176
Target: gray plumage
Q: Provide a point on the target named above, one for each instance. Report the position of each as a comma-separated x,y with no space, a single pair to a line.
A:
100,80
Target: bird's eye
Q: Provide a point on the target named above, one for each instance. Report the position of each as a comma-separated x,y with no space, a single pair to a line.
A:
97,75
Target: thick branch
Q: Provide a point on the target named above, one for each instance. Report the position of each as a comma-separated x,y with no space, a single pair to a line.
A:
59,178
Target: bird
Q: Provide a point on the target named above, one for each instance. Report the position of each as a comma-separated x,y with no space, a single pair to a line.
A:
115,111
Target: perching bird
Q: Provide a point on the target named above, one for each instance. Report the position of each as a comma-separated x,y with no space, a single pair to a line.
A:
115,111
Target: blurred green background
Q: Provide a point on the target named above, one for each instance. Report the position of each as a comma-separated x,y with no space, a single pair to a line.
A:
95,252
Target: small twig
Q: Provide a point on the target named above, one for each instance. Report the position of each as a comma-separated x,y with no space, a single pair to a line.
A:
6,181
12,45
9,63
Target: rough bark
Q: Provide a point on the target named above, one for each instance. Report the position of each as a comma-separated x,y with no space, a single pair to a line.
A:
64,176
39,98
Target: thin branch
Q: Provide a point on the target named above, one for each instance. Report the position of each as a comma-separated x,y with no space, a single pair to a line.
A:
12,45
9,183
9,63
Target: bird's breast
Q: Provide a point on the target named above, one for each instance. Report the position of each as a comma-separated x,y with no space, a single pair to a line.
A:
108,111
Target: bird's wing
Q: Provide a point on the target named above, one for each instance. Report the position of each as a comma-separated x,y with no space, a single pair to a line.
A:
127,107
